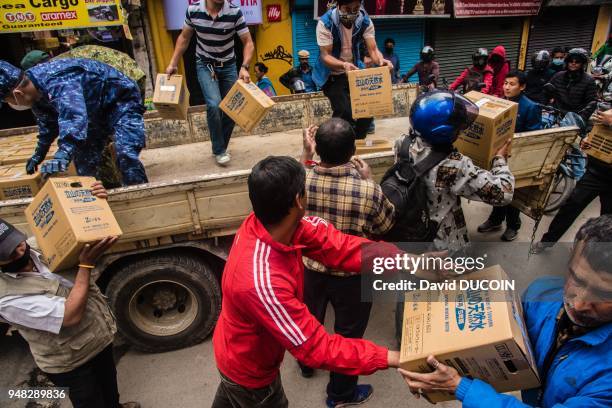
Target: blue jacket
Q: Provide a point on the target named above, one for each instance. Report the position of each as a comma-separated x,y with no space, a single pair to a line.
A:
80,98
529,115
580,375
331,20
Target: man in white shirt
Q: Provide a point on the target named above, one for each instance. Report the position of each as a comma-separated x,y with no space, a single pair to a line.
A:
340,32
64,318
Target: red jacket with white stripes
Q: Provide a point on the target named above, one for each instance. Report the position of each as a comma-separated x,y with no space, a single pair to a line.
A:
263,313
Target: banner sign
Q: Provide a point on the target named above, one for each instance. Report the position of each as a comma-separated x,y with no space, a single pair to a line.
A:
396,8
174,11
38,15
493,8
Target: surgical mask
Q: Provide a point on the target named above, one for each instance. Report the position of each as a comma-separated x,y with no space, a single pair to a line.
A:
18,107
557,61
18,264
348,18
389,50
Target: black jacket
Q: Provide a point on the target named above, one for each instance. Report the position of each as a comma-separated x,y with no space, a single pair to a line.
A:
575,95
535,84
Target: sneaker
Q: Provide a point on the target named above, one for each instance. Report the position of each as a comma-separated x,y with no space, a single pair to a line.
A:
131,404
307,372
541,247
222,159
509,235
488,226
363,392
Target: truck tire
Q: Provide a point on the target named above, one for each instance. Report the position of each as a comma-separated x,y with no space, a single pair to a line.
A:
165,302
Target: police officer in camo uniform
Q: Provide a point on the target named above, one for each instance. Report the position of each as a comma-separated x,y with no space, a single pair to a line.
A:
108,171
80,102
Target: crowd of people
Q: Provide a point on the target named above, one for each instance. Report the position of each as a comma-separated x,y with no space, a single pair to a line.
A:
302,247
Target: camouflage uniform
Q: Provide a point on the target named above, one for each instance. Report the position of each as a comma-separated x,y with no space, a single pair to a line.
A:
83,102
116,59
456,177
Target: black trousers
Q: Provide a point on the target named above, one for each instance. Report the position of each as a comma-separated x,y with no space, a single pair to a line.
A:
595,183
92,385
231,395
509,213
351,317
337,91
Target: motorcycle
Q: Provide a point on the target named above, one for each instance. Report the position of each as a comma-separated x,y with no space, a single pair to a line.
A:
573,164
600,72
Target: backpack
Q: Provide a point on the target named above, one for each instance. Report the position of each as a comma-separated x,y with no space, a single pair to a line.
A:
404,186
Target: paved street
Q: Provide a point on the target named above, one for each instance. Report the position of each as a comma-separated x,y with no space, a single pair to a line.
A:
188,379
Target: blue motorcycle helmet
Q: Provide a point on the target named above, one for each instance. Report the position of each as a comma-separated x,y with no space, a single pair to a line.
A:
439,116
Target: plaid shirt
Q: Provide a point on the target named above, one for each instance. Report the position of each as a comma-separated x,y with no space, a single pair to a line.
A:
353,205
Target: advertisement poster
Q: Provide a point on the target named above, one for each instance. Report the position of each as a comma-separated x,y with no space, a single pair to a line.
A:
396,8
174,10
489,8
38,15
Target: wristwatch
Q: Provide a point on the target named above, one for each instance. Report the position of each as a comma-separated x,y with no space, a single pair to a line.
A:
245,66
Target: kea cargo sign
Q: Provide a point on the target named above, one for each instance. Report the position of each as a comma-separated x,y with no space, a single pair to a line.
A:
38,15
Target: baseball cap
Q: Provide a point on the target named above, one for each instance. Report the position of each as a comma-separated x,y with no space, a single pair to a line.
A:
10,238
10,76
34,58
303,54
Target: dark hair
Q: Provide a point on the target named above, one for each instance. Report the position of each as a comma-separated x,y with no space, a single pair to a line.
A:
262,67
557,50
389,40
515,73
596,234
273,184
335,140
345,2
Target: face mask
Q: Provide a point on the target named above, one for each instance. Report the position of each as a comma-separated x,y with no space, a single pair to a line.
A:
389,50
18,264
348,18
304,65
18,107
558,61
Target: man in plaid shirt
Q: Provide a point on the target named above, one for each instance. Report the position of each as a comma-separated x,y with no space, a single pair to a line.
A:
341,191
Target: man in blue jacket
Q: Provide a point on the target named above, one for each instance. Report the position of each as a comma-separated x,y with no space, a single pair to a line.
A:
80,102
340,32
570,329
529,118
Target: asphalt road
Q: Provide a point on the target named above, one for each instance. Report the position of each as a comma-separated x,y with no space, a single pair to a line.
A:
188,378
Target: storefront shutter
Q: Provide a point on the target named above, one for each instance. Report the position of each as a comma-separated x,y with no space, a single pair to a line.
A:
562,27
456,40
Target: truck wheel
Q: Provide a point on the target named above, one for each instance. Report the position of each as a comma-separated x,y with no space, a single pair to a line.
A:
165,302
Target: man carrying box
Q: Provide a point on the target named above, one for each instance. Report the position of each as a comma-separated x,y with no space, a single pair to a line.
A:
340,32
215,23
66,321
80,102
529,118
570,327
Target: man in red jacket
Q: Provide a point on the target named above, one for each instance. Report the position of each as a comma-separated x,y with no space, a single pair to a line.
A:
478,77
263,313
501,67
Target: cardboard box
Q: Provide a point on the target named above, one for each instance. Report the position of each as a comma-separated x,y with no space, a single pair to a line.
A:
64,216
491,129
16,183
473,331
171,97
372,146
601,143
246,104
371,92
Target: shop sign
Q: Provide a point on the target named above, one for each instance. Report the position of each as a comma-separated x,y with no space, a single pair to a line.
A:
273,11
489,8
39,15
396,8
